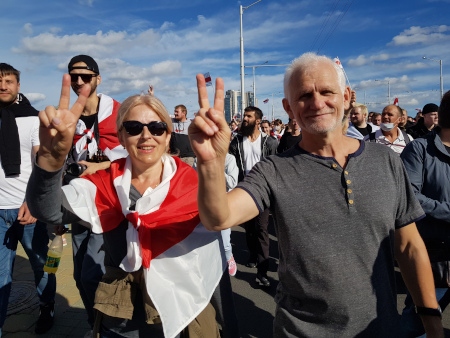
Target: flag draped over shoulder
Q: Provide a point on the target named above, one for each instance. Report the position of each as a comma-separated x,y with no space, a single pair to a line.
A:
183,262
84,138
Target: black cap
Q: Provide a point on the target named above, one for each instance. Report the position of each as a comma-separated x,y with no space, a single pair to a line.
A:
429,108
89,61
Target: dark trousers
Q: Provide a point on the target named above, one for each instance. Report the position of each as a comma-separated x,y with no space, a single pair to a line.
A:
257,236
88,265
223,302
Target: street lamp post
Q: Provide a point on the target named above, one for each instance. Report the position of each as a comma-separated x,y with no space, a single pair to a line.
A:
441,80
241,12
389,89
254,82
254,79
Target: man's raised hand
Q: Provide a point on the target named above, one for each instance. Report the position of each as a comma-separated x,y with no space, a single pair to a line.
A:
209,132
57,127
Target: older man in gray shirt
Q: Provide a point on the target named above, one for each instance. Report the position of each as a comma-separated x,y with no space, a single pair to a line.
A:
336,267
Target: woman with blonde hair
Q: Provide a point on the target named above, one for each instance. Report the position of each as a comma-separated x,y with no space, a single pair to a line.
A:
162,265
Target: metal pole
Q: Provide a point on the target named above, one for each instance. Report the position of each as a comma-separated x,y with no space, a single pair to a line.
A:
241,12
441,80
389,92
272,109
254,88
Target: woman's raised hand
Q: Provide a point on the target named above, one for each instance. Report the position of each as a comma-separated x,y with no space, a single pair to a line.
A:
57,127
209,132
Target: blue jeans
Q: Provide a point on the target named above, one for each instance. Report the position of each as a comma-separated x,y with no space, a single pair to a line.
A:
34,239
226,238
88,265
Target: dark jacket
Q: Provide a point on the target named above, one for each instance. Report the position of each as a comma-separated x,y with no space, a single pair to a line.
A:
427,163
418,130
268,147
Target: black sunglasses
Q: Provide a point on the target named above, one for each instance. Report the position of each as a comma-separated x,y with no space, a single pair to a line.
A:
156,128
84,77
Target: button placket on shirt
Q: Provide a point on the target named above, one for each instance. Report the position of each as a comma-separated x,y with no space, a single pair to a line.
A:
349,189
348,184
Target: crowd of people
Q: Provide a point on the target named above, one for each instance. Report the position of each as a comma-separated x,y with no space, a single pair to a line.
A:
151,200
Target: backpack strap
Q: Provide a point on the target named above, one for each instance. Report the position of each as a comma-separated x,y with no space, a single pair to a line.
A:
405,136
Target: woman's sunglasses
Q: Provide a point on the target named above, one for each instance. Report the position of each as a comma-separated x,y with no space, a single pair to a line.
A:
156,128
84,77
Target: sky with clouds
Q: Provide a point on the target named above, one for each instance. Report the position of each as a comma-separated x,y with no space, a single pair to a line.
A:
165,43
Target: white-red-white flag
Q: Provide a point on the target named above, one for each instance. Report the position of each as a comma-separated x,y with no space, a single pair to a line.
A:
208,79
181,260
396,101
84,138
338,62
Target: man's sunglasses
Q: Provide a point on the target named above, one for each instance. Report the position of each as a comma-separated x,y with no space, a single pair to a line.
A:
156,128
84,77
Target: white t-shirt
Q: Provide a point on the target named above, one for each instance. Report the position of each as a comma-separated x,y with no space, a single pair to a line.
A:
181,127
252,152
12,189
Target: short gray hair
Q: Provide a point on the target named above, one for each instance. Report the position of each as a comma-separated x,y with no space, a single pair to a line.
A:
307,60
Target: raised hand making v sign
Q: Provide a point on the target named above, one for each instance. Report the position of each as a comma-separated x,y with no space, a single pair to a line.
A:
210,138
209,132
57,127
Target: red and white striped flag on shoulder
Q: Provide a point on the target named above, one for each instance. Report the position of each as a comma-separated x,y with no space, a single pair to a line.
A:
169,240
208,79
266,101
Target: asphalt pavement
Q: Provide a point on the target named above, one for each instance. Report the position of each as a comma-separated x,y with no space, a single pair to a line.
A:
255,306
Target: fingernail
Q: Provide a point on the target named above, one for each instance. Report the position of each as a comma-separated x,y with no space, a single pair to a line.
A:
56,121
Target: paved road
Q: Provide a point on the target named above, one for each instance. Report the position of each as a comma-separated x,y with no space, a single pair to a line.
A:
255,307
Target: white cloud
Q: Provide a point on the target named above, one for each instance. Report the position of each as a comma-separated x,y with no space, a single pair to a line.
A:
27,29
362,60
54,30
35,97
48,43
416,65
86,2
422,35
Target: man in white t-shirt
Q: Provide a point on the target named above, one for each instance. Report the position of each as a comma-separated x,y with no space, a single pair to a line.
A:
19,143
389,133
249,147
179,142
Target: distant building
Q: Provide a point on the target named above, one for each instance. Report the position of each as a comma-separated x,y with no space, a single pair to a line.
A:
233,103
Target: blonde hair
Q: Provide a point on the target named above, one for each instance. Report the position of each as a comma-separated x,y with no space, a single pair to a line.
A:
146,100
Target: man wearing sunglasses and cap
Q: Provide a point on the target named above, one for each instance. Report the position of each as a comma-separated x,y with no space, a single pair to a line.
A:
95,145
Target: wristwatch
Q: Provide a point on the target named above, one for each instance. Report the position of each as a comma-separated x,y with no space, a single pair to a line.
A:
428,311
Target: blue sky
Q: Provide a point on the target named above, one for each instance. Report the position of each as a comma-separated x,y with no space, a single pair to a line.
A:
166,43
